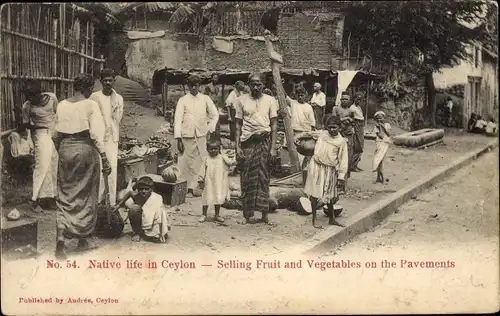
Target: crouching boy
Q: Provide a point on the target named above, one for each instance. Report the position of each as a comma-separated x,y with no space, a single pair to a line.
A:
147,214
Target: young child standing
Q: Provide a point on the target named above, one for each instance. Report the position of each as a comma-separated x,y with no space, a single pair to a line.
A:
213,178
383,132
327,167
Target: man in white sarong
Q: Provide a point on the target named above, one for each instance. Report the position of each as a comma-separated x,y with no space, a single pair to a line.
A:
195,116
38,115
111,105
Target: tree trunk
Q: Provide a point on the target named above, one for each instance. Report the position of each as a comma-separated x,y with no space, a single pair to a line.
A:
431,97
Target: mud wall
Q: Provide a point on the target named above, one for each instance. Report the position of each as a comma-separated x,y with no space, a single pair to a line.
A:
174,51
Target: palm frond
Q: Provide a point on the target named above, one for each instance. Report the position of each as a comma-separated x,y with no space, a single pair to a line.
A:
182,14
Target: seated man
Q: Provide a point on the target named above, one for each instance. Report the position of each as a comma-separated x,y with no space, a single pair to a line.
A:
491,128
147,214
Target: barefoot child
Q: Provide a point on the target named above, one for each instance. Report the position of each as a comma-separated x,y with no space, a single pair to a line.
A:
147,214
213,178
328,166
383,140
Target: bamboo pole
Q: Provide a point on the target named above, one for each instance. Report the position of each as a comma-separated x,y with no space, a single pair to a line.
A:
37,45
10,92
92,46
2,101
40,78
275,64
62,43
54,69
87,49
78,31
17,34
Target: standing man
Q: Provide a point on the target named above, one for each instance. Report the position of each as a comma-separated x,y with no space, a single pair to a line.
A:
359,131
449,112
215,92
256,129
318,102
344,112
302,116
238,91
111,105
195,117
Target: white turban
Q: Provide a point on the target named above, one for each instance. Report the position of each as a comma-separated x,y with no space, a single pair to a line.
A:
379,113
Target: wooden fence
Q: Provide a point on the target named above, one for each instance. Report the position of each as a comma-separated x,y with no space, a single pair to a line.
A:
47,42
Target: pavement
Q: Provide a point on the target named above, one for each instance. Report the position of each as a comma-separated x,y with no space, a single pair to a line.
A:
454,221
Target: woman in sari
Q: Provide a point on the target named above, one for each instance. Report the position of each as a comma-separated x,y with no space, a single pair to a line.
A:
38,115
383,131
78,137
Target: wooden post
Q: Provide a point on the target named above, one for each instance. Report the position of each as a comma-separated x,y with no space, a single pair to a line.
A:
276,60
367,97
165,95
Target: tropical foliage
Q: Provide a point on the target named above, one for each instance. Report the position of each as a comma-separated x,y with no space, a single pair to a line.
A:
413,39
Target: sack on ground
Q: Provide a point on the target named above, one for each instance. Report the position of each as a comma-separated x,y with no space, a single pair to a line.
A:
20,146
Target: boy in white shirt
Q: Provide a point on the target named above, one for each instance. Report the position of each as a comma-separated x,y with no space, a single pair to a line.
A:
302,115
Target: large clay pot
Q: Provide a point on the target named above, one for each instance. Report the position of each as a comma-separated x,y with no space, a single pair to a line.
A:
305,146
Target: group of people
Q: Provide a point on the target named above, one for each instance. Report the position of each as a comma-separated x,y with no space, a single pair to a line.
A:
338,150
478,125
76,152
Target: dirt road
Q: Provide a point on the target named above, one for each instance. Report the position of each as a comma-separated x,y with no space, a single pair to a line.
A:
456,221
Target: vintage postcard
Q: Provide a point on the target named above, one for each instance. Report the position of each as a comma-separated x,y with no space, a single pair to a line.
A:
249,157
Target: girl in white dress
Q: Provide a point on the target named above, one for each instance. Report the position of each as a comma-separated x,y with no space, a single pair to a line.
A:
383,131
327,167
214,179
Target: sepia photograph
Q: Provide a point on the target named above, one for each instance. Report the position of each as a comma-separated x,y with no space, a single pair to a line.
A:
249,157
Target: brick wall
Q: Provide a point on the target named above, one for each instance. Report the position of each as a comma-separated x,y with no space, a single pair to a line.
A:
305,45
248,54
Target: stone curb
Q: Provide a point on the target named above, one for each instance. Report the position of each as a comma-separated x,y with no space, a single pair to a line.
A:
371,216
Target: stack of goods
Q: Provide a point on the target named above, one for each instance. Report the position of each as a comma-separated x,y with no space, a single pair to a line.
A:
130,148
227,143
161,142
164,130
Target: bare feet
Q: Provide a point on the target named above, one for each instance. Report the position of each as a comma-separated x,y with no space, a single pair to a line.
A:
219,219
60,252
35,207
83,244
317,226
335,223
136,238
202,219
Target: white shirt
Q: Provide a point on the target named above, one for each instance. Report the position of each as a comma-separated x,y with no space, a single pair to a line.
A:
357,112
112,112
75,117
491,128
233,95
319,98
302,116
195,116
255,113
